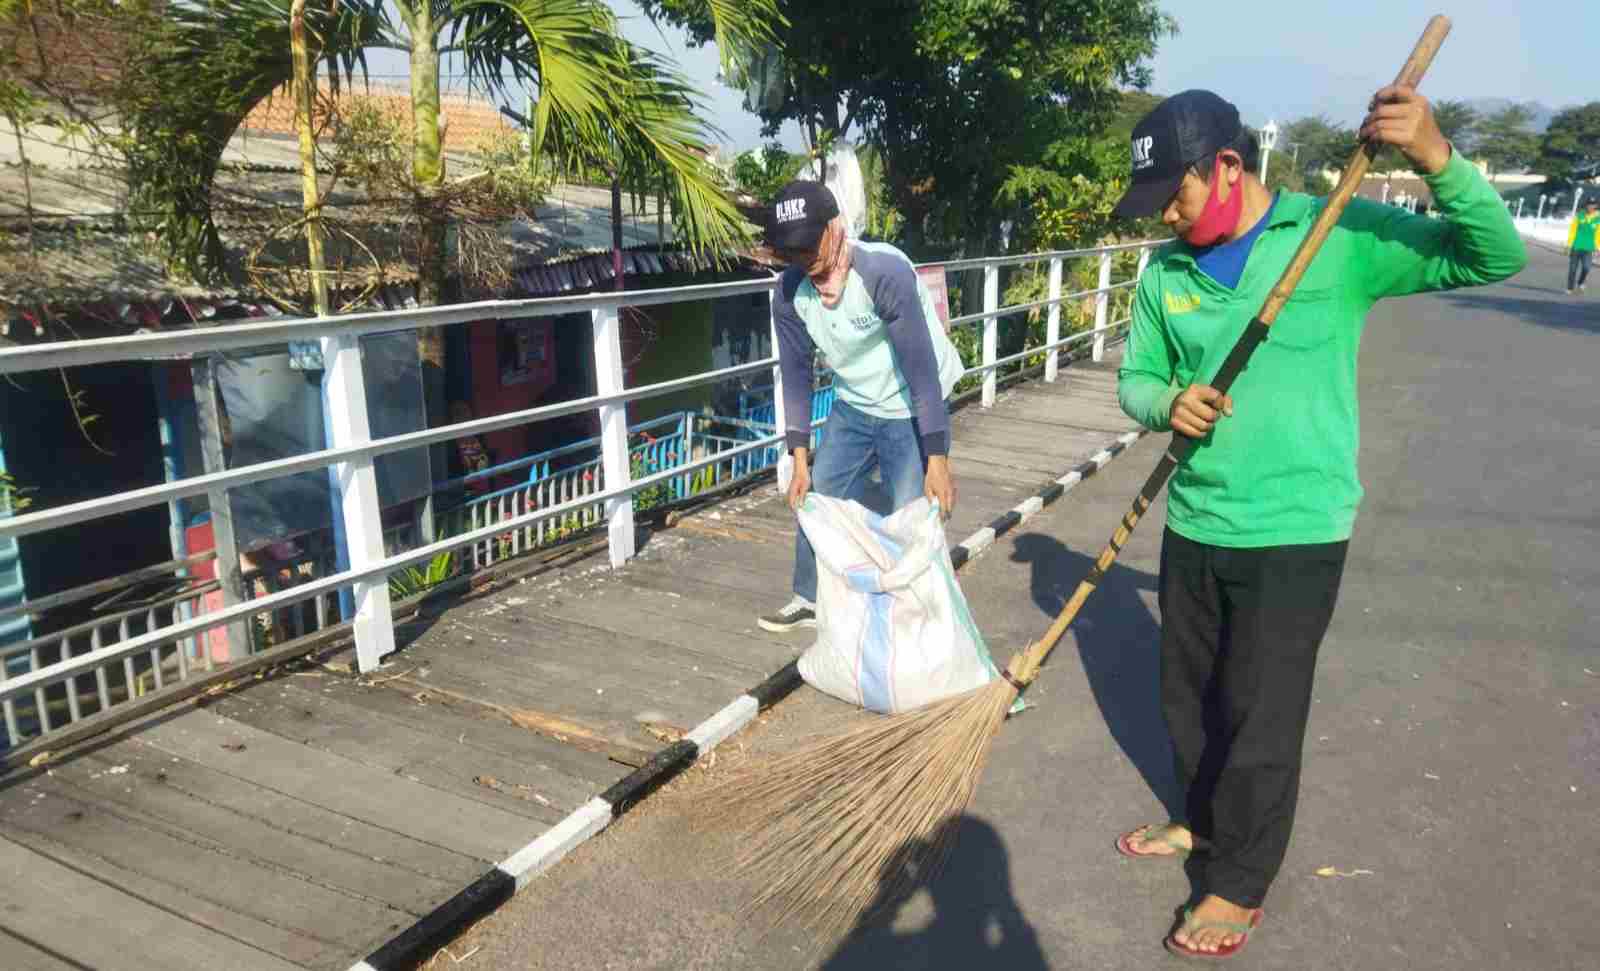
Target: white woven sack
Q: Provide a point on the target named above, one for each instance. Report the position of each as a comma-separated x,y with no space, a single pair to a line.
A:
893,629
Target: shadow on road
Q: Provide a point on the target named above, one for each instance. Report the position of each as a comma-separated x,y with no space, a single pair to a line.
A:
976,921
1119,643
1559,311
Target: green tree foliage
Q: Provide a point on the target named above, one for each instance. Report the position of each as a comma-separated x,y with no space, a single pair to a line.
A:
1506,141
195,68
1571,145
602,102
1323,145
762,173
192,73
1458,121
953,93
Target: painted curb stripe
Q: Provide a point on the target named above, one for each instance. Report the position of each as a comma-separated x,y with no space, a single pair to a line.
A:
651,776
480,898
561,839
981,540
779,686
497,886
714,730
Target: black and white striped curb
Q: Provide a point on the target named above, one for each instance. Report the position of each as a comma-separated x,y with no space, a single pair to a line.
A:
502,882
985,537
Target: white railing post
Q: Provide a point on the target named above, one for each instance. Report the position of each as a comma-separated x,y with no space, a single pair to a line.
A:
1052,333
613,431
1101,301
1144,261
687,445
991,331
344,399
777,378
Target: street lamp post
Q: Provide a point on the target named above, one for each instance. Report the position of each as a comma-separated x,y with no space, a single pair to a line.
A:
1542,198
1519,207
1577,195
1269,138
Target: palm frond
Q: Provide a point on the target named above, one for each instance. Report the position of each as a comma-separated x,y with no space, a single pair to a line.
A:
653,130
743,27
565,48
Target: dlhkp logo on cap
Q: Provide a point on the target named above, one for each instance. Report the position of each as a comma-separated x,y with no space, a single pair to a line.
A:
1142,148
790,210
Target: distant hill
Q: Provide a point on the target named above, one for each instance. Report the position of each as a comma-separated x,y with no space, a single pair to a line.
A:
1541,113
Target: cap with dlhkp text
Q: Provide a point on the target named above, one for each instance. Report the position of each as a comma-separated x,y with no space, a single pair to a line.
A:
799,215
1180,131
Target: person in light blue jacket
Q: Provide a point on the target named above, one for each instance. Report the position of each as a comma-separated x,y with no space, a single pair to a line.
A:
863,308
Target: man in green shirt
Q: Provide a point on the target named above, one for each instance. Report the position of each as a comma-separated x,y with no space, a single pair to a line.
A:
1260,516
1580,245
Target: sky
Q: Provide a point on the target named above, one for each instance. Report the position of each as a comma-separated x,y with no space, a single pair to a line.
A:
1326,57
1337,52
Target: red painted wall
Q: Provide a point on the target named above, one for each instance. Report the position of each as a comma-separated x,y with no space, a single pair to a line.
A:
499,386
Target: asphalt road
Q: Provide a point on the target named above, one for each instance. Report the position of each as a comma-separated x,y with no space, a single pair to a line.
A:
1453,758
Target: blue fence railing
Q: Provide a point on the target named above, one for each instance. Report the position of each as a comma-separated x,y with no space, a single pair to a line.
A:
757,407
568,473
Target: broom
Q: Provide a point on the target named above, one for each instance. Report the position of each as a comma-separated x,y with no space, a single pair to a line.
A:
841,831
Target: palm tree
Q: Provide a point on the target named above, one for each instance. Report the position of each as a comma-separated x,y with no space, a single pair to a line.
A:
654,128
599,98
197,67
597,94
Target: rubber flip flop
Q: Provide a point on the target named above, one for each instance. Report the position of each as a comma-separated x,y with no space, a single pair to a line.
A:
1142,834
1221,953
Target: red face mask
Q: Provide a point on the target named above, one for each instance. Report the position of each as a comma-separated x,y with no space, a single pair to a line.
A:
1219,218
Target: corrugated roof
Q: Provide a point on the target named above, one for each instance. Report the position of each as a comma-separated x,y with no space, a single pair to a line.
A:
74,261
77,265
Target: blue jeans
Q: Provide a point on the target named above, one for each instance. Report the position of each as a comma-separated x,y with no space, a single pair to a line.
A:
853,443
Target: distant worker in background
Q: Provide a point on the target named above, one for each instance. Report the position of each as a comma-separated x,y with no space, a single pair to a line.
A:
1580,245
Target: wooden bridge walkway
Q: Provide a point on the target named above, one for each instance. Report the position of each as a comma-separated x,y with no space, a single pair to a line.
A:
304,818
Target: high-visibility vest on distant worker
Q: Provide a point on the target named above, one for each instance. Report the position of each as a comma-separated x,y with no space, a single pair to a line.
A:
1581,237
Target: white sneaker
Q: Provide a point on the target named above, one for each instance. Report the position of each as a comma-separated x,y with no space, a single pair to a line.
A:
795,614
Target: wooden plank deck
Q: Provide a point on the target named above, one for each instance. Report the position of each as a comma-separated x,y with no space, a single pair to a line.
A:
304,819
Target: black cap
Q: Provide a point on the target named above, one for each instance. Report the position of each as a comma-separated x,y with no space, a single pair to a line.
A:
1182,130
800,214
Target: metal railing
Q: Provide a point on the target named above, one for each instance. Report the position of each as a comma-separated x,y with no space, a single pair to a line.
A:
154,652
1551,230
578,471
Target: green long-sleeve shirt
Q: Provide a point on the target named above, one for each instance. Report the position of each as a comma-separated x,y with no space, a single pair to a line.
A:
1282,469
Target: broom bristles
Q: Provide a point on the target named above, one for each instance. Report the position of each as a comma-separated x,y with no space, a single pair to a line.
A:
844,829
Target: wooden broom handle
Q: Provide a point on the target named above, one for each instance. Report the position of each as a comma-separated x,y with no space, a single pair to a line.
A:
1416,66
1024,666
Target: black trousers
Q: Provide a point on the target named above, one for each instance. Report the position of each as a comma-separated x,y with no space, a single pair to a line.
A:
1578,264
1240,630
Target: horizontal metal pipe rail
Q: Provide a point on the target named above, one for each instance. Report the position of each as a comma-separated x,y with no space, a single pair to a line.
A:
1044,348
183,344
984,262
352,451
46,676
1020,308
78,512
